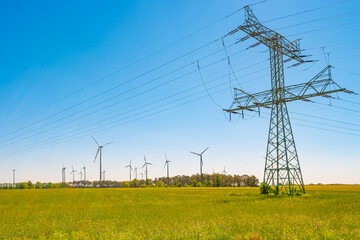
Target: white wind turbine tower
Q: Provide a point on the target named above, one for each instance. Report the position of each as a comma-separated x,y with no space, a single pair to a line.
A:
130,168
135,172
224,172
167,165
73,173
81,175
104,175
100,147
201,159
63,173
14,184
145,165
84,168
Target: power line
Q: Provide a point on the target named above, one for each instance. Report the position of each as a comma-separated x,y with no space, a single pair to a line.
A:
306,11
325,129
356,103
152,113
147,104
112,89
322,118
136,114
354,73
330,125
115,87
162,49
127,91
319,19
130,65
342,108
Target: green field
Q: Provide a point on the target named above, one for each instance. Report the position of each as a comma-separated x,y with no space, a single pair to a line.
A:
325,212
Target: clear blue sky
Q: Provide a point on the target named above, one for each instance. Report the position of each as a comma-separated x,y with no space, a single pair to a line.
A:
51,50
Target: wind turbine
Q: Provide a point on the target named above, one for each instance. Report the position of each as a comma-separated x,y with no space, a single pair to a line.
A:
84,168
224,171
135,171
100,147
73,173
201,160
130,168
14,185
145,165
142,176
63,173
104,174
167,165
81,174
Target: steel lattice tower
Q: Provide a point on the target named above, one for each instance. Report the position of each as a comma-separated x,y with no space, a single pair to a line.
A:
282,163
282,167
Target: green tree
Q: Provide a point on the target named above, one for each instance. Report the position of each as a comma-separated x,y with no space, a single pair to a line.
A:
194,183
159,183
217,181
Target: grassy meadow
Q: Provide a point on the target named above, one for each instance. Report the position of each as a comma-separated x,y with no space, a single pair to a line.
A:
325,212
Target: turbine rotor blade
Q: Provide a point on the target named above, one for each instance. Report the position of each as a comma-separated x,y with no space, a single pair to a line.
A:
95,141
195,153
205,150
107,144
143,166
97,154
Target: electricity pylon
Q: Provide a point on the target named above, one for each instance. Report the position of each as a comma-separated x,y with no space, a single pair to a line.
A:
282,167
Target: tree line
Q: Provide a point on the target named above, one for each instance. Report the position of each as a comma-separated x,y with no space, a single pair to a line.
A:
205,180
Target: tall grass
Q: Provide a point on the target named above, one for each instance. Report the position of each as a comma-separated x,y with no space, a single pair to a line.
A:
325,212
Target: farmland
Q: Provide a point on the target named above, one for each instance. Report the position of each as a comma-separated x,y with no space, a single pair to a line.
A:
325,212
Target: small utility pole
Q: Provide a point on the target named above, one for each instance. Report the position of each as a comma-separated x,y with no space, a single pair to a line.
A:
84,173
14,185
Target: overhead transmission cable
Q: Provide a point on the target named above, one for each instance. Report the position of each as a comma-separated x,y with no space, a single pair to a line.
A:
306,11
162,110
127,91
24,137
112,88
147,104
188,36
131,64
116,123
86,100
319,19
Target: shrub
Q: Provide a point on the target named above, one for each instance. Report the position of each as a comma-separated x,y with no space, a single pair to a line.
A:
265,188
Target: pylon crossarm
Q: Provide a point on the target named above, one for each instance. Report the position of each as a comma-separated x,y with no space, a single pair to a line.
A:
266,36
295,92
